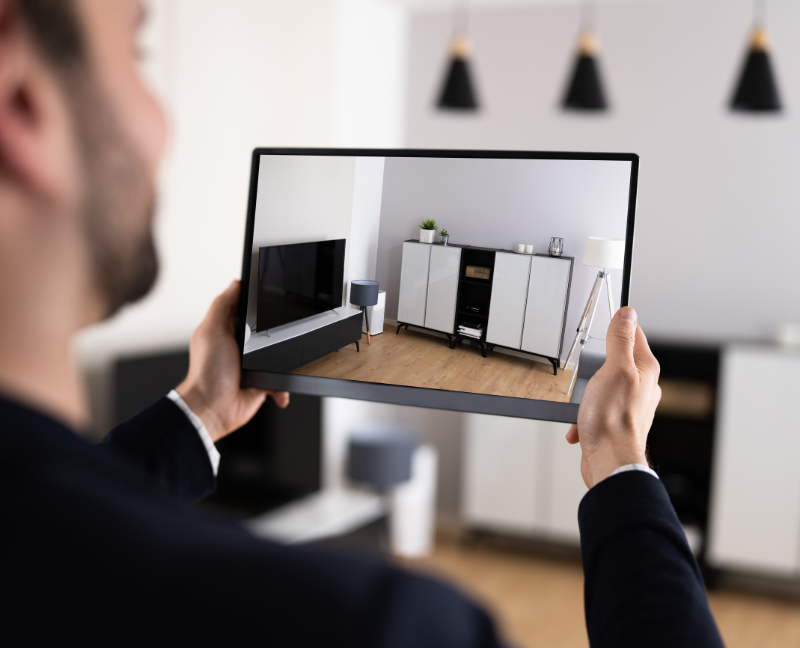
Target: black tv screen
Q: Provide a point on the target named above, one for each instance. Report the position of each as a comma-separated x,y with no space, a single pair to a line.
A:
297,281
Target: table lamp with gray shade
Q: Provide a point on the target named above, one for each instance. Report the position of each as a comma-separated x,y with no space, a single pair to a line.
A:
364,292
608,254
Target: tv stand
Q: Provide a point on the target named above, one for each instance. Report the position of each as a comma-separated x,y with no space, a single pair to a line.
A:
291,346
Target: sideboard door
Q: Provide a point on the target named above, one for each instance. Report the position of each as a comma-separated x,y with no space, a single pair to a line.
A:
546,307
440,313
509,293
414,283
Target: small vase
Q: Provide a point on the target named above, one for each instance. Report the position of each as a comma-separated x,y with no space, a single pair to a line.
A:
426,236
445,239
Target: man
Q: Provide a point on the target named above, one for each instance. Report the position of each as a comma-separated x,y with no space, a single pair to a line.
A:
98,547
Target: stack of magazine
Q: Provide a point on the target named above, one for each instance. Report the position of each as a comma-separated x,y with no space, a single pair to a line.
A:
471,329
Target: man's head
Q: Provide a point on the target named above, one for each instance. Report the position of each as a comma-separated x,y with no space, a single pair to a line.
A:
80,142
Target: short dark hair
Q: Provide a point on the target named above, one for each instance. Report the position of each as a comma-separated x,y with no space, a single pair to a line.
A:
56,28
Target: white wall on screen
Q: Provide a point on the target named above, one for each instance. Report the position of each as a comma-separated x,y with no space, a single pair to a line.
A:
500,203
301,199
367,194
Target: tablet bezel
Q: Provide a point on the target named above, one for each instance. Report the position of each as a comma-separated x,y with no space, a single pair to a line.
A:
421,396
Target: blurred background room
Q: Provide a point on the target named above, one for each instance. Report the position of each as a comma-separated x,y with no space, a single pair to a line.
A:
491,502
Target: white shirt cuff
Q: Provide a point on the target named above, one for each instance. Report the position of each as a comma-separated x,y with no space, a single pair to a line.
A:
205,437
641,467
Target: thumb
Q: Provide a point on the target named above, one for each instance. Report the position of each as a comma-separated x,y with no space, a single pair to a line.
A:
221,308
621,337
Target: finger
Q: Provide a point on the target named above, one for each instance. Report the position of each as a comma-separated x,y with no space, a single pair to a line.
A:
621,338
643,357
572,435
281,398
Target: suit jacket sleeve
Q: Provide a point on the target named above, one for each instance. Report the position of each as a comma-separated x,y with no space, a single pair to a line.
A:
642,583
162,443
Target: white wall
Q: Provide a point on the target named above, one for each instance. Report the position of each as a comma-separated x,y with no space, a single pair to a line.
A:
500,203
719,195
365,228
301,199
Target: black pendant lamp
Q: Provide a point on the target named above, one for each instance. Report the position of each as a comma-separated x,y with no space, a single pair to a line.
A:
757,90
585,90
458,92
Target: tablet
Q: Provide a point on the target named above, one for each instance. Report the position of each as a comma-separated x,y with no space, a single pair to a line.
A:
477,281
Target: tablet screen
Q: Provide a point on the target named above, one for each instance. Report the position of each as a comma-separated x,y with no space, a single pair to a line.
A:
475,281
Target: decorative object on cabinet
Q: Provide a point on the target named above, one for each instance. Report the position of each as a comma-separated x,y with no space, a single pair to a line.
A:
427,230
458,92
445,236
757,90
477,272
521,248
605,253
556,248
364,292
585,90
528,249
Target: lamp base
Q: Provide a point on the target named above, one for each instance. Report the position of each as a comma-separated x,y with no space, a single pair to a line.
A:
587,318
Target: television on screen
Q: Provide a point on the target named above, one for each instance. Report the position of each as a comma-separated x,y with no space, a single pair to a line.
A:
298,281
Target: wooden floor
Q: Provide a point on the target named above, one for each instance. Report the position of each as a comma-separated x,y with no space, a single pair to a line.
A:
539,600
419,359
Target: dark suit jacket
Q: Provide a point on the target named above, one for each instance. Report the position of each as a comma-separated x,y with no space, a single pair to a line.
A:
97,547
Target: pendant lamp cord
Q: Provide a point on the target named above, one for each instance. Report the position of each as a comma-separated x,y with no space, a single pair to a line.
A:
760,13
460,17
588,16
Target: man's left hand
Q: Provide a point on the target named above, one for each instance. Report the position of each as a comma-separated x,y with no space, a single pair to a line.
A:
211,390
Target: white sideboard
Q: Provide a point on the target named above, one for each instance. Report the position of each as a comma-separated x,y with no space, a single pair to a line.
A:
521,477
440,312
414,283
509,295
526,309
548,290
754,520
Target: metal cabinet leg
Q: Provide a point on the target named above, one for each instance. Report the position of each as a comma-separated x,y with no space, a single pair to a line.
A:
399,326
358,349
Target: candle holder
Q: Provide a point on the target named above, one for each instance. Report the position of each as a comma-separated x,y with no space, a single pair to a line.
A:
556,248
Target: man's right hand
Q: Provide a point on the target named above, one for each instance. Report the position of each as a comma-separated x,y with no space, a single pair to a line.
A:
619,403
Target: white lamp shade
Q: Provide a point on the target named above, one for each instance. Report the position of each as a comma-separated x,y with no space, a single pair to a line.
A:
604,253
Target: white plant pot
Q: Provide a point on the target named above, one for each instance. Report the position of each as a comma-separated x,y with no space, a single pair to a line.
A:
426,236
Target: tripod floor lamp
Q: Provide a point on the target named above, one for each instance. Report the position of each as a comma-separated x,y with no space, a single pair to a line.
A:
608,254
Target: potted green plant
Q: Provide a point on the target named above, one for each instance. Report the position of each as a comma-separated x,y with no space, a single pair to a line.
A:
427,230
445,236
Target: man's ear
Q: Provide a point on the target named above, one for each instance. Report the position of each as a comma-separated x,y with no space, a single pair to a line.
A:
34,124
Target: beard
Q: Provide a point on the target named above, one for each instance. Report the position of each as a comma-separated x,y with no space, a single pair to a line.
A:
118,206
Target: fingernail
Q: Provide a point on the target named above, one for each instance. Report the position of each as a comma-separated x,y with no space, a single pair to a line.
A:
233,283
628,314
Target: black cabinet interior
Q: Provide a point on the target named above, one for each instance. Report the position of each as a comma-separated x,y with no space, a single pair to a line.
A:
272,460
474,295
681,440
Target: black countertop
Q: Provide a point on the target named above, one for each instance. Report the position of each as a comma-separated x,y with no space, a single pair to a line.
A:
485,249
